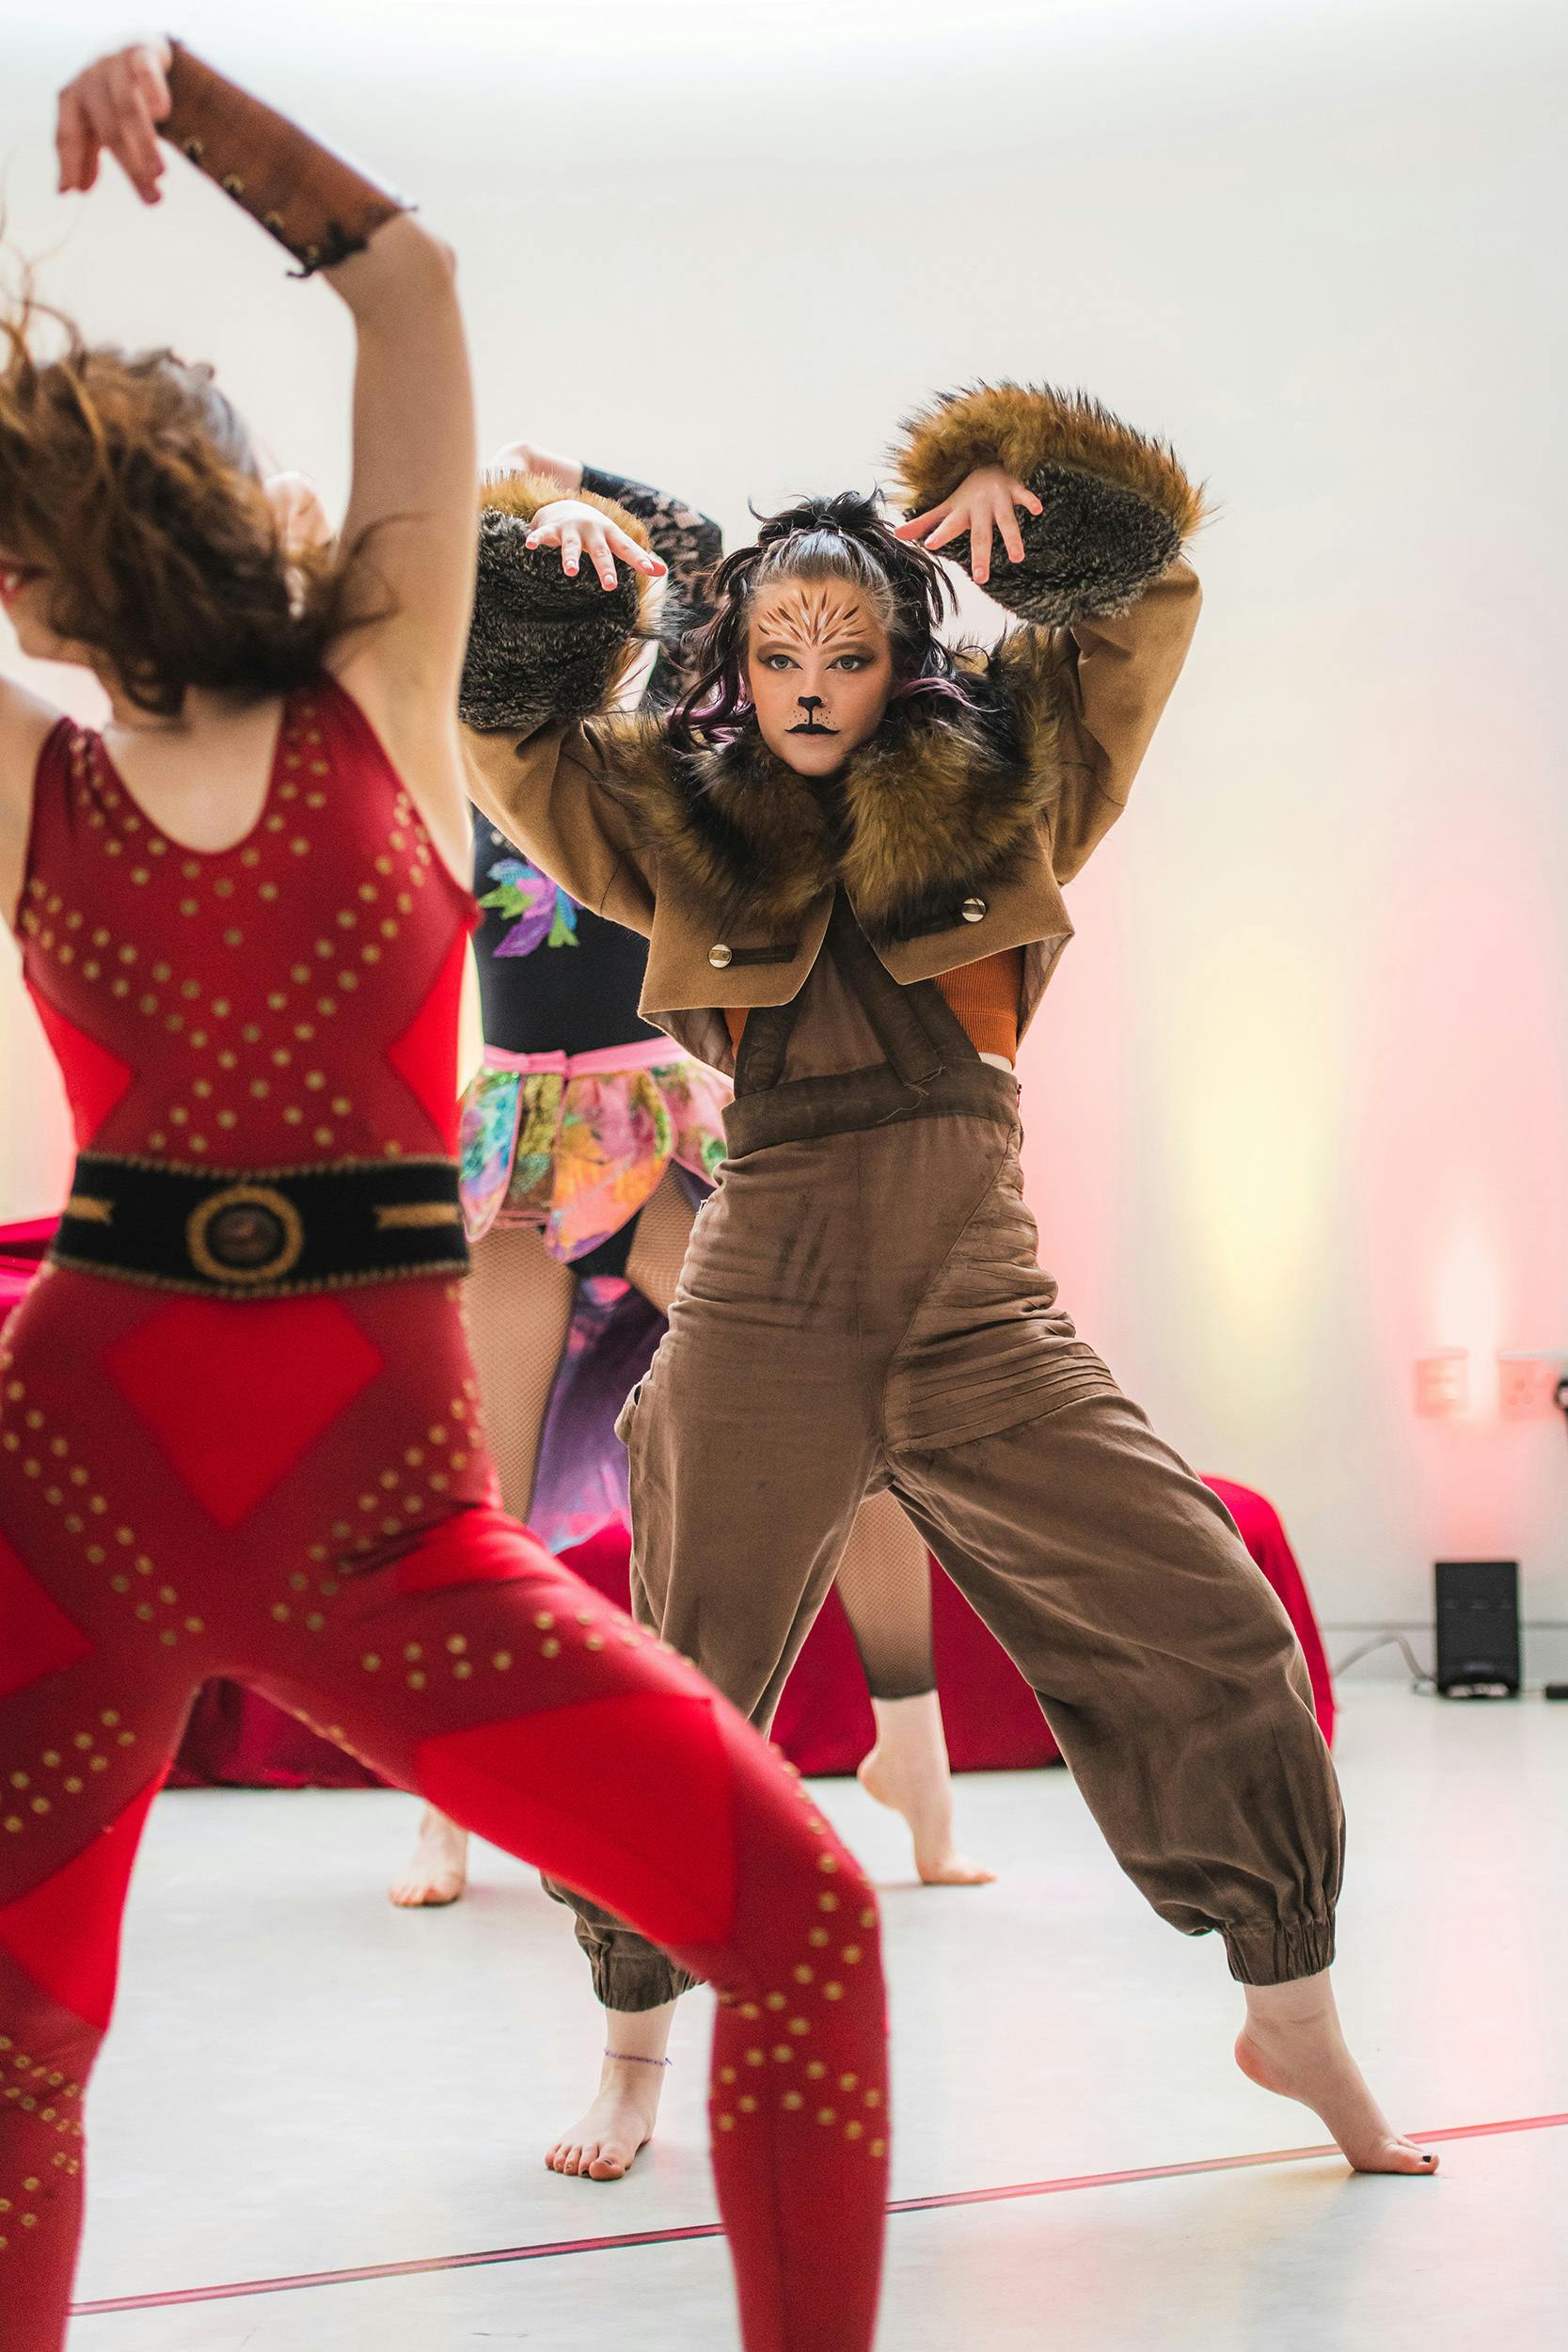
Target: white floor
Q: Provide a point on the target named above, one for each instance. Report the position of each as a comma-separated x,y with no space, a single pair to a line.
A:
304,2080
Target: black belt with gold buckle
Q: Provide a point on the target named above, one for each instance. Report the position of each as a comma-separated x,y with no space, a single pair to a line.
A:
267,1233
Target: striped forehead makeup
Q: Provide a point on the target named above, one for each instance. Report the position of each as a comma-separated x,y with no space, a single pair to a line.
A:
817,617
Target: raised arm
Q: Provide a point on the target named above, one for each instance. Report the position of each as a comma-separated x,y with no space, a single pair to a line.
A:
1093,518
687,543
409,530
547,646
410,518
565,600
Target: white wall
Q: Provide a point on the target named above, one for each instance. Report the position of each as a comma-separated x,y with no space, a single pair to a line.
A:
1297,1107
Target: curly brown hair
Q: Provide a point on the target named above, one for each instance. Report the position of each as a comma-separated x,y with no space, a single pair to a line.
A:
131,480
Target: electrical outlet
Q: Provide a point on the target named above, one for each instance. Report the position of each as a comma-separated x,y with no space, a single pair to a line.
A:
1528,1382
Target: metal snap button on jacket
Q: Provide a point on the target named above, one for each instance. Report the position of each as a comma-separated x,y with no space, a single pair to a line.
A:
718,956
975,909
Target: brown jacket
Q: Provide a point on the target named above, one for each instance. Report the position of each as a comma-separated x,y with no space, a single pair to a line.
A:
963,819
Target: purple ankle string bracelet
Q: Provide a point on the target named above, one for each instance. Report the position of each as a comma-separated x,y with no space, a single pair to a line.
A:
629,2058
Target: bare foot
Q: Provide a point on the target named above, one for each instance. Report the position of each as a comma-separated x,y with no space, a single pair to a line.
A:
1293,2044
617,2126
906,1771
440,1870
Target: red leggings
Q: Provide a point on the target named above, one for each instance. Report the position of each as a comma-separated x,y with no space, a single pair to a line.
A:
404,1617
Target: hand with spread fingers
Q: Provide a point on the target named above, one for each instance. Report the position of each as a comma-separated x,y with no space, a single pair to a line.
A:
986,502
114,106
576,527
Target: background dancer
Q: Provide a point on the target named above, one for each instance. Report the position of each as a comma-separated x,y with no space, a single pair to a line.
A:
846,849
588,1142
238,1421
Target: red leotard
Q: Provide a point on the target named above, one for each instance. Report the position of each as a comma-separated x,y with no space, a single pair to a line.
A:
294,1491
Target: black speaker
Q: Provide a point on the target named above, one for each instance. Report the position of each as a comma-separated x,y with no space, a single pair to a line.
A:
1477,1628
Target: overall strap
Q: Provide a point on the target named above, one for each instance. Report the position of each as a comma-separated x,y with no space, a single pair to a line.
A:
917,1027
759,1064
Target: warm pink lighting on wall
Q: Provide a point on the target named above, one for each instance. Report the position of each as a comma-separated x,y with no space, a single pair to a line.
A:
1443,1383
1526,1382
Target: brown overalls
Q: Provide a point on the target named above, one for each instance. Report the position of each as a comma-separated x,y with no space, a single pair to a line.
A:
863,1307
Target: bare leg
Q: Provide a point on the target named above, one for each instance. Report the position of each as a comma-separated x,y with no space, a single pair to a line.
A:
519,1305
884,1581
908,1772
1293,2044
620,2120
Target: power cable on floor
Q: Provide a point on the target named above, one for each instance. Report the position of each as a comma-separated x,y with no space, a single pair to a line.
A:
1419,1677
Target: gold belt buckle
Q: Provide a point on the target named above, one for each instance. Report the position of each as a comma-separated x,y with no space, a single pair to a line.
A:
245,1233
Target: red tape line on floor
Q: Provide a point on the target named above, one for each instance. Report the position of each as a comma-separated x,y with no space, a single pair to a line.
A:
936,2203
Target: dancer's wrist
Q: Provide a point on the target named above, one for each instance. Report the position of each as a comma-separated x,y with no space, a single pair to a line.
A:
319,206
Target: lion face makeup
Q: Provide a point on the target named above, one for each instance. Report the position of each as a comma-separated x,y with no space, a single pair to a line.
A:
820,671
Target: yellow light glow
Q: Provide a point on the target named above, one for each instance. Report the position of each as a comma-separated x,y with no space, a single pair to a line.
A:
1256,1118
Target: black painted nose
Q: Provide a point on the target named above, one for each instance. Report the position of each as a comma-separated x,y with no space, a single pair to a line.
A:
811,702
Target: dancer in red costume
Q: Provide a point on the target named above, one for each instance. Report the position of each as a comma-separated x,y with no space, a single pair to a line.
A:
238,1423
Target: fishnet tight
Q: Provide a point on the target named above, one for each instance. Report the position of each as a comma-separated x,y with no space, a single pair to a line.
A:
519,1304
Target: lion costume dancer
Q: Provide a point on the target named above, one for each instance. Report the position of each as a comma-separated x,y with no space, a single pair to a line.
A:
848,849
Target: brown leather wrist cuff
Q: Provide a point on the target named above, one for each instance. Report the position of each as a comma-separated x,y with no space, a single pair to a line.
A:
321,207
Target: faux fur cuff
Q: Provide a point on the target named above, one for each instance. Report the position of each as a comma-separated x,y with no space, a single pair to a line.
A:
543,648
1117,506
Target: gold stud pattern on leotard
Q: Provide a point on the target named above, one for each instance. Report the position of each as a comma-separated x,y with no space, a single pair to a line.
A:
219,895
848,2106
109,1552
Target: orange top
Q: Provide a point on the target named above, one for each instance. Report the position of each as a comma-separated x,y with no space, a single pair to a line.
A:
984,995
985,998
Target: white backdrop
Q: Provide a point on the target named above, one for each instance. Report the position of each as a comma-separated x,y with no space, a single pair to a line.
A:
1297,1106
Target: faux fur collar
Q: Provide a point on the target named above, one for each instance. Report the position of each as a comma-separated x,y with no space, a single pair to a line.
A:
942,800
